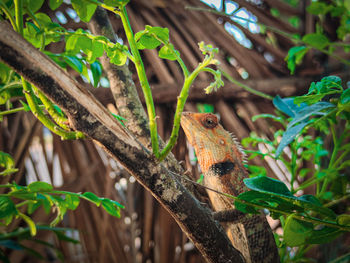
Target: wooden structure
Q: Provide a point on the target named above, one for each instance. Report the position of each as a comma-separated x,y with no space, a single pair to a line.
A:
146,233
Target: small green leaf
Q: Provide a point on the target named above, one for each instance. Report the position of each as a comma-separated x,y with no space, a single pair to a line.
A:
71,201
74,63
287,105
7,207
318,8
54,4
343,220
267,185
7,162
295,57
25,106
43,19
92,198
316,40
111,207
295,232
40,187
116,54
61,236
96,70
305,113
119,3
289,136
345,97
168,52
33,5
84,9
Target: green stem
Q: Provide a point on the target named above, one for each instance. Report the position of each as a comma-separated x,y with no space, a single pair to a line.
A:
2,113
19,16
8,14
334,202
333,157
247,88
23,203
180,106
293,166
143,81
12,85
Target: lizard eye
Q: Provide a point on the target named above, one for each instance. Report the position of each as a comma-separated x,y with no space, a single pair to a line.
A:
210,121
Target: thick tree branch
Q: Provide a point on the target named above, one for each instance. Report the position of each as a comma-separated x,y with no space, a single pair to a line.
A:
89,116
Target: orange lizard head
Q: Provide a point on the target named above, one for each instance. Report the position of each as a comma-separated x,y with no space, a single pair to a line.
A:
212,143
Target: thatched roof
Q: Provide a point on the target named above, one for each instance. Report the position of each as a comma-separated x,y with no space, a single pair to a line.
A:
146,231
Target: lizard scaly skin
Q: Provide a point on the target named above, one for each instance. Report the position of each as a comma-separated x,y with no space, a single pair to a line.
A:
221,161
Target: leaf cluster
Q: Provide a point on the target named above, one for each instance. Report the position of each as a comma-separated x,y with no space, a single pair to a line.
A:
306,219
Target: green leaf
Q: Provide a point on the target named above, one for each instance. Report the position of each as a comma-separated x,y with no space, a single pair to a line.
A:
147,42
96,70
74,63
61,236
92,198
295,57
31,34
119,3
33,206
7,162
71,201
84,9
96,51
25,106
151,37
343,220
7,207
54,4
33,5
43,19
287,105
345,97
116,55
316,40
347,4
318,8
111,207
4,73
267,185
289,136
305,113
295,232
40,187
309,99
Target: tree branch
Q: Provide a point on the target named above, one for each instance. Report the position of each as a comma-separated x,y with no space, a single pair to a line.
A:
86,114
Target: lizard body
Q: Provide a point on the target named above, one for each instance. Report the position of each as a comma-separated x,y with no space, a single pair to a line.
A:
221,161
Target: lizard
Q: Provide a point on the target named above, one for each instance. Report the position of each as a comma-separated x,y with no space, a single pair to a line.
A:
221,160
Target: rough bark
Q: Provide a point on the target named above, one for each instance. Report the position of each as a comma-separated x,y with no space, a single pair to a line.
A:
86,114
